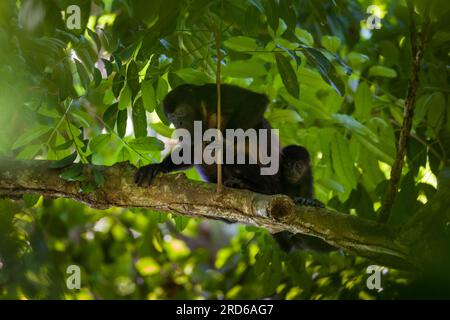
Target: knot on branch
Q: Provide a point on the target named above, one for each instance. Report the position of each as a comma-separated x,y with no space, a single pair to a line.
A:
280,206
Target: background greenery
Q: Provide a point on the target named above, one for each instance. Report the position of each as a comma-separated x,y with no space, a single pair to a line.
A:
335,87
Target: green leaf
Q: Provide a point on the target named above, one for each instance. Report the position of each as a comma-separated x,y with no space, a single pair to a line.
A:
64,162
161,89
326,69
390,53
356,59
376,148
97,77
99,178
29,152
343,165
123,154
331,43
82,72
257,4
193,76
63,77
355,126
63,146
30,135
125,98
99,142
30,199
108,67
436,110
139,119
292,54
161,115
122,117
262,261
287,11
82,117
118,84
94,36
110,115
304,36
162,129
146,144
271,11
244,69
284,116
288,75
181,222
73,173
241,43
363,102
148,96
381,71
133,77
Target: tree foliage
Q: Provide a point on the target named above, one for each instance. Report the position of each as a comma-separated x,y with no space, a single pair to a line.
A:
93,95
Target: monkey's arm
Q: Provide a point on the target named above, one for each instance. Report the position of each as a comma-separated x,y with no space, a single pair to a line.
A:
145,174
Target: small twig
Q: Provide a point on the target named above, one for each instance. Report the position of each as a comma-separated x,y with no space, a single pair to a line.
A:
219,106
413,85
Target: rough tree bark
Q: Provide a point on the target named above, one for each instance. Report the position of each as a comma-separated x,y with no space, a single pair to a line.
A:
175,193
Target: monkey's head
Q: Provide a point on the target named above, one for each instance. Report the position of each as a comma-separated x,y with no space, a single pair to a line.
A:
181,106
295,163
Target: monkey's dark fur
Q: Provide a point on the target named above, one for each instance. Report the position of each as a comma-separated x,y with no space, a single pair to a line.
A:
241,109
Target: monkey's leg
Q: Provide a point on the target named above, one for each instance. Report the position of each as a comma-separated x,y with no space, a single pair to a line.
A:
308,202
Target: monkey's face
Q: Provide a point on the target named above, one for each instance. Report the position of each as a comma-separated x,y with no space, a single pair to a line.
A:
183,116
294,170
295,163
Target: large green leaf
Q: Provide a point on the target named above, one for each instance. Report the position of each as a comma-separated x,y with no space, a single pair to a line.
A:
325,68
288,75
381,71
110,116
99,142
193,76
139,119
148,96
125,98
30,135
146,144
241,43
64,162
133,77
122,118
82,72
363,102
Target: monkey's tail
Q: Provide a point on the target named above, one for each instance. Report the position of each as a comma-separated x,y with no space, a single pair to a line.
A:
288,241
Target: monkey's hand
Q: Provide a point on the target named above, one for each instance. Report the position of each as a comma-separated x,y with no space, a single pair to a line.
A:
145,174
235,183
308,202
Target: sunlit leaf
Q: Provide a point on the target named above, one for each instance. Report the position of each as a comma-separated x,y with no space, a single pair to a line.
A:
146,144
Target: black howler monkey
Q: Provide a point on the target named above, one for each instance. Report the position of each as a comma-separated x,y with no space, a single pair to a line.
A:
241,109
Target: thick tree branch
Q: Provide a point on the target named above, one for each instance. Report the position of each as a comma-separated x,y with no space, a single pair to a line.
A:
175,193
